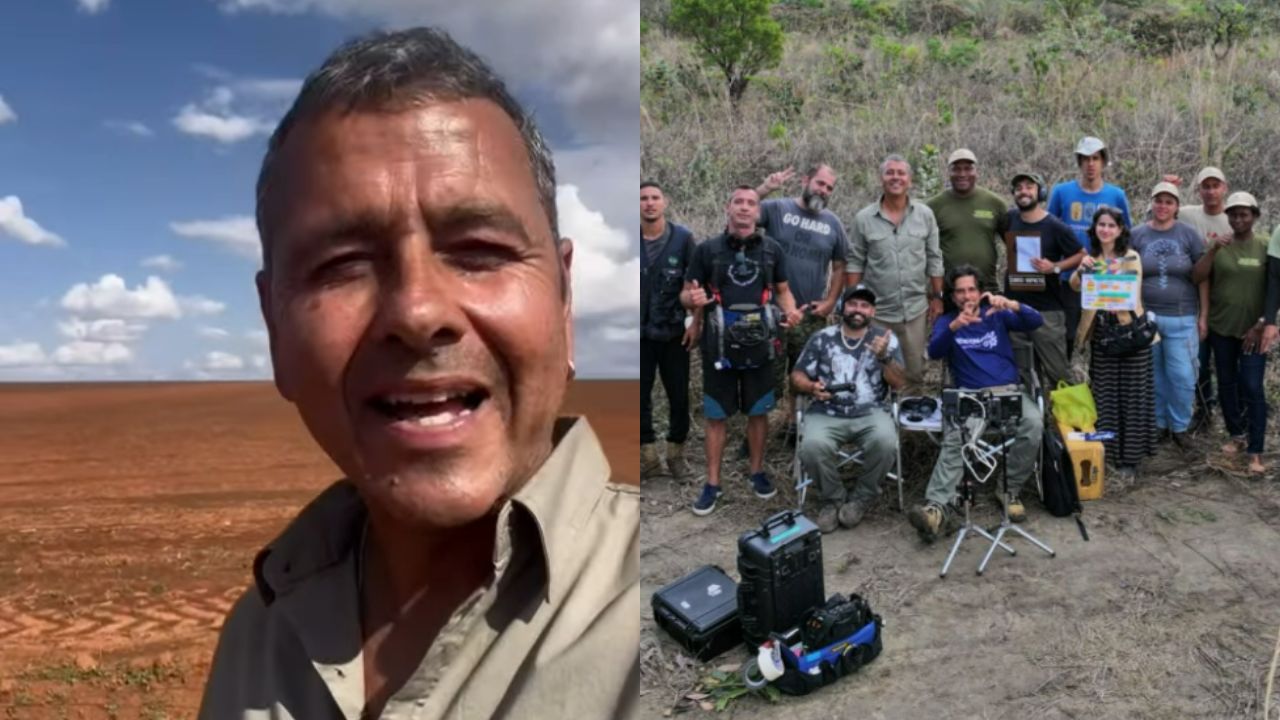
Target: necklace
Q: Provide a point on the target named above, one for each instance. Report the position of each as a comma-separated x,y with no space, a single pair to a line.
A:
854,346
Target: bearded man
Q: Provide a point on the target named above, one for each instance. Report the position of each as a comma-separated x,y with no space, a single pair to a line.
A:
848,369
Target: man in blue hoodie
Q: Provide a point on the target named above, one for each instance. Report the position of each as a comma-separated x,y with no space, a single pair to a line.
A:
974,340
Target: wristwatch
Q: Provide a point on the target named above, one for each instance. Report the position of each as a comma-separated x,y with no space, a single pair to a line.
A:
1057,270
936,296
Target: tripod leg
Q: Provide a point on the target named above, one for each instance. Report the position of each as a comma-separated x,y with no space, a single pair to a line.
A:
1007,548
1034,541
999,536
954,547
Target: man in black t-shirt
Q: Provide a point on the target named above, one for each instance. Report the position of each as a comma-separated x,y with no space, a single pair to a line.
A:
1040,248
731,280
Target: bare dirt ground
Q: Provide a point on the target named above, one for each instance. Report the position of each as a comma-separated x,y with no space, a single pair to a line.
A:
1169,611
129,517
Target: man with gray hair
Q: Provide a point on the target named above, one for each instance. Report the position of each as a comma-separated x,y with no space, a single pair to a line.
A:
478,557
893,249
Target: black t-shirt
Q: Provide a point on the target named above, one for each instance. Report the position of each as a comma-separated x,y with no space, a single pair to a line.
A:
1057,242
740,281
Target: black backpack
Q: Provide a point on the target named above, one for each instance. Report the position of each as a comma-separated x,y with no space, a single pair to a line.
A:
1058,481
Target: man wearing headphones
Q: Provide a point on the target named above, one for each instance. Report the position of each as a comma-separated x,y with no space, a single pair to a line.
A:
848,370
1034,275
732,280
974,341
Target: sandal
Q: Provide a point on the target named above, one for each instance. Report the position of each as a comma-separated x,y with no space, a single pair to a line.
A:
1256,467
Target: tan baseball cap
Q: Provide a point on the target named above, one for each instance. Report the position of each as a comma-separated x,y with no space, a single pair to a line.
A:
1242,199
961,154
1209,172
1166,187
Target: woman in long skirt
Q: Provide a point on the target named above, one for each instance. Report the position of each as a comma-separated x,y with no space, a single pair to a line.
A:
1123,387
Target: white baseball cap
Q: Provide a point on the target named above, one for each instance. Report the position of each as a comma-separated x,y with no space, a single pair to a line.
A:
1242,199
961,154
1209,172
1166,188
1089,145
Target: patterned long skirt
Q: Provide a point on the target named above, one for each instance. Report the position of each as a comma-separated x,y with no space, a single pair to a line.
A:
1124,392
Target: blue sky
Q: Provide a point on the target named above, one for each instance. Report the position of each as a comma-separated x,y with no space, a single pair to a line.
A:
130,136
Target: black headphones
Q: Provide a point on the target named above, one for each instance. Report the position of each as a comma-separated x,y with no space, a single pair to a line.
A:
917,409
1042,194
736,243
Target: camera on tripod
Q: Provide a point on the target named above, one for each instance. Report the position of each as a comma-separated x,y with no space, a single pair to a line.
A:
960,405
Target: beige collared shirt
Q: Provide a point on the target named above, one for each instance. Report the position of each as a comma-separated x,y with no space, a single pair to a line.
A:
556,634
896,261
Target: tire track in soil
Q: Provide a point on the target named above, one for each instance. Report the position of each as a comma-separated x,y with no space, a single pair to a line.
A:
124,620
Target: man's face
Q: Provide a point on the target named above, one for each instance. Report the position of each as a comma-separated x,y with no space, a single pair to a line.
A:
896,178
858,312
652,204
743,209
964,175
1241,219
1091,165
1026,194
965,294
1212,192
1164,208
415,305
818,189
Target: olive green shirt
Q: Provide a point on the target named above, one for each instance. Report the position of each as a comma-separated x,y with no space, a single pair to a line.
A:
896,261
970,229
1238,289
555,634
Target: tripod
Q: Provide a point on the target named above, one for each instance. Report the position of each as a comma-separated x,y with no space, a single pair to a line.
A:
966,499
1005,523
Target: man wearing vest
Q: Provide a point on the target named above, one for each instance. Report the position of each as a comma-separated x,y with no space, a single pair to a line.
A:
664,340
730,283
814,241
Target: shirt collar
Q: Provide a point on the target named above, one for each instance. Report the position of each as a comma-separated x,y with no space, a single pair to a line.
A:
558,499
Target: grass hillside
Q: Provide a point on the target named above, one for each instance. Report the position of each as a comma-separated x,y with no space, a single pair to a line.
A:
1170,86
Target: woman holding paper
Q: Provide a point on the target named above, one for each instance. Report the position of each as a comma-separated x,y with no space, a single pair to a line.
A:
1169,251
1238,329
1122,385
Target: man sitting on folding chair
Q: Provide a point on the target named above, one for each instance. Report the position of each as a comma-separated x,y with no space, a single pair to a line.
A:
975,342
848,370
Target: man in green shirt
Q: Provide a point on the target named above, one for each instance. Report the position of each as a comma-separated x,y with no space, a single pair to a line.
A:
971,220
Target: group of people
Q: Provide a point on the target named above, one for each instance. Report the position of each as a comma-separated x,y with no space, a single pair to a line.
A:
844,317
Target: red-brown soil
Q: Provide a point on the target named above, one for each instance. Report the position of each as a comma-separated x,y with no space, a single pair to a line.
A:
129,516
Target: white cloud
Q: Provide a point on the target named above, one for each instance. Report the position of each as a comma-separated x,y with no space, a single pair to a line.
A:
604,280
261,362
200,305
6,113
93,7
109,296
213,333
14,222
164,263
106,330
258,337
83,352
129,127
218,360
226,128
21,354
594,70
237,233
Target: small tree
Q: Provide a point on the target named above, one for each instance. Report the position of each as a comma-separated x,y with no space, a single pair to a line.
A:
737,36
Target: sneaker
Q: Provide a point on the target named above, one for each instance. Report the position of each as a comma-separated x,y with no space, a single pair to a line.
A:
707,500
927,520
827,518
851,513
762,487
1017,513
1162,435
